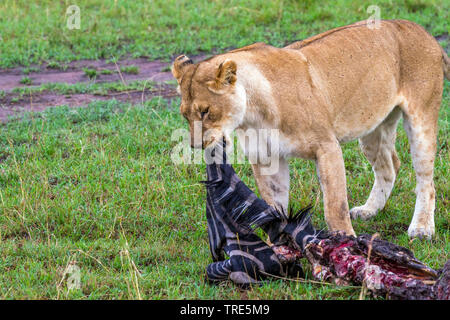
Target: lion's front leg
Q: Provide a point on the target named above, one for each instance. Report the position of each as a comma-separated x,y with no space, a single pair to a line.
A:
331,172
274,187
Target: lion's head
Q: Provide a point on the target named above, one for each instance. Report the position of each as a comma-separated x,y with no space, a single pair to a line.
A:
211,101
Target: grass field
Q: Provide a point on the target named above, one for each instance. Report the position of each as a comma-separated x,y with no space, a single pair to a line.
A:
36,31
95,187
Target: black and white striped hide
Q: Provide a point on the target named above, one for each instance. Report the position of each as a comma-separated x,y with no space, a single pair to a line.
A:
229,200
294,230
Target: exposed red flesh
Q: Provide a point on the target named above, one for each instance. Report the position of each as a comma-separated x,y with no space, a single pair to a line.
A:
287,254
390,271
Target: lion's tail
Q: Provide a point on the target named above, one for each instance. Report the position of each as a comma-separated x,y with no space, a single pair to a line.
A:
446,64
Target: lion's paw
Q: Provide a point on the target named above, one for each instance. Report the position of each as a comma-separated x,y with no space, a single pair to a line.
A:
362,212
420,232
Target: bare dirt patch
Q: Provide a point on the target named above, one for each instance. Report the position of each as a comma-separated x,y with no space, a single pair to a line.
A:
9,106
74,73
13,104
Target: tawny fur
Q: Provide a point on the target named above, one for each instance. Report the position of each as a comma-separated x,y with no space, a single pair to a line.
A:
348,83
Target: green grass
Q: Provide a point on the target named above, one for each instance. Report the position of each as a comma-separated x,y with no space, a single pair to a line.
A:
90,73
28,70
96,186
26,80
56,65
130,69
36,31
106,71
99,88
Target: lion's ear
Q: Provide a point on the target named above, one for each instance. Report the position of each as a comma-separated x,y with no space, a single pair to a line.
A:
179,66
225,77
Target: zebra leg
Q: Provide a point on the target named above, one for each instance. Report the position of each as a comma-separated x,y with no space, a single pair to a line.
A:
245,269
218,271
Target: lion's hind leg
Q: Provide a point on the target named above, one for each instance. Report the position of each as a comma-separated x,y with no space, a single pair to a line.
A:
379,149
421,129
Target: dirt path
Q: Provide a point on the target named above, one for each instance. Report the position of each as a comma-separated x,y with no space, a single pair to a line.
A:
39,102
12,103
74,73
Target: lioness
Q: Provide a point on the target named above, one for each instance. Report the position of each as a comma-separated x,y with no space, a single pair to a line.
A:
352,82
